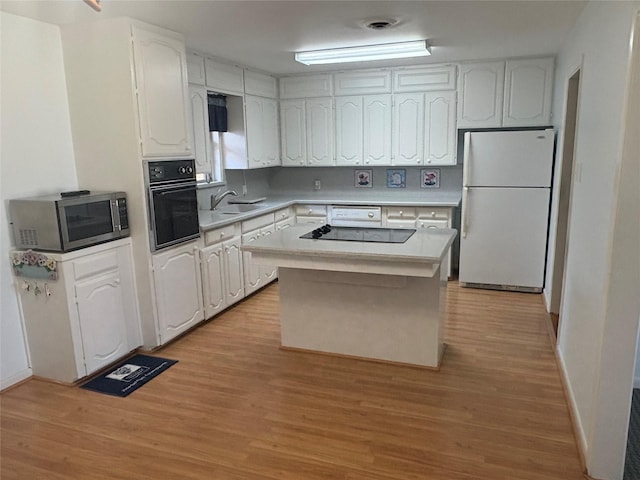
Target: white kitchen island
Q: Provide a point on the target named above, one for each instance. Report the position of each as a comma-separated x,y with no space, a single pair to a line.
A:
380,301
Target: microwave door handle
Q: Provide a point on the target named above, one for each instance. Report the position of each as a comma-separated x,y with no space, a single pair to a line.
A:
115,216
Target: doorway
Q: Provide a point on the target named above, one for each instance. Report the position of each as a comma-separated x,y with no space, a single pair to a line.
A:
564,195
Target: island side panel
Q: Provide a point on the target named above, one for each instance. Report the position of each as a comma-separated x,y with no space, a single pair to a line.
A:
384,317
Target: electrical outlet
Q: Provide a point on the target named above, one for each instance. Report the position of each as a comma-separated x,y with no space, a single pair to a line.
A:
316,185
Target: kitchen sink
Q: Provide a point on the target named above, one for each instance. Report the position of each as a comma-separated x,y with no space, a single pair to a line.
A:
237,208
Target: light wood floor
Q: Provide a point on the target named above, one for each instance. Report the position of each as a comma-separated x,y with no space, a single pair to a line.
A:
237,407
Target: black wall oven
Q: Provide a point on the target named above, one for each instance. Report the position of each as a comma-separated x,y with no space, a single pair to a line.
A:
173,203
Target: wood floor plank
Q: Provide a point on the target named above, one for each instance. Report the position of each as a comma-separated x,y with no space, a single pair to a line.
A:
237,407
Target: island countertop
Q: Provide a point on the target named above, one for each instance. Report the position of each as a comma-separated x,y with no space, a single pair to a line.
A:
420,255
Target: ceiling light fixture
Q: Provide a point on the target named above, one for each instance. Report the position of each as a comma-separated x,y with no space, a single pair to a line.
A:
95,4
418,48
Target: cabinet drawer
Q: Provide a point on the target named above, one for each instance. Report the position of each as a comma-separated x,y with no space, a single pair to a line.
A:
92,265
283,214
220,234
401,213
311,210
261,221
432,223
433,213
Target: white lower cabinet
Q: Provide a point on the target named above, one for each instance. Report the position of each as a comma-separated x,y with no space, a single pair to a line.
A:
86,319
222,275
178,290
256,275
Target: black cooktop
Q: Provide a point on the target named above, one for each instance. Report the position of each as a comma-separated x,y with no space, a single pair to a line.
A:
361,234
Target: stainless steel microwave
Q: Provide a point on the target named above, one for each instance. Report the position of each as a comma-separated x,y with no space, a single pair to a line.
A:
69,220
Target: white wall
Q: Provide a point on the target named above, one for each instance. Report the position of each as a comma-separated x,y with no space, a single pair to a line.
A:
36,156
582,339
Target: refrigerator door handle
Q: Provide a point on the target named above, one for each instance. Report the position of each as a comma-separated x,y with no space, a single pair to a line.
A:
466,168
465,211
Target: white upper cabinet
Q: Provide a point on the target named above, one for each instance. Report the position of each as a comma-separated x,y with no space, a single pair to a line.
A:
224,77
319,115
408,128
440,128
349,131
293,131
377,129
260,84
200,128
424,79
362,82
307,86
163,102
195,68
307,132
527,92
480,91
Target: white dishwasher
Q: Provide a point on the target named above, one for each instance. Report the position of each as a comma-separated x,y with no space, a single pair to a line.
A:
352,216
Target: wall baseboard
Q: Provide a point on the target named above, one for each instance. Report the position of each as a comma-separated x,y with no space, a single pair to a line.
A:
578,430
14,380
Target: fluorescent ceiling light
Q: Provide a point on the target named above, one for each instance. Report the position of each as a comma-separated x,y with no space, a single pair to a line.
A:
418,48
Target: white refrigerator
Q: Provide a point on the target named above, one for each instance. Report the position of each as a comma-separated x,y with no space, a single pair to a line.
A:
505,209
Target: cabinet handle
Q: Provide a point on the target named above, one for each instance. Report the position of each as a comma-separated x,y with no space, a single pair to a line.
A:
310,211
433,214
401,212
370,214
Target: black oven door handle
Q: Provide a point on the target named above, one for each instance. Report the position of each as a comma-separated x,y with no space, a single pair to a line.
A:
173,188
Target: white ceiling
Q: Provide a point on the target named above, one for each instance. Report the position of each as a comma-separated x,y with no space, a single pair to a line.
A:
264,34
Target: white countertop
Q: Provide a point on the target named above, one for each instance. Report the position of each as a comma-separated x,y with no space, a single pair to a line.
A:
428,245
213,219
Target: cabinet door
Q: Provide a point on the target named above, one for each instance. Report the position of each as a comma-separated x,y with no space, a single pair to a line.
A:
178,290
234,287
349,131
293,129
270,134
200,128
377,129
195,68
254,131
163,102
212,259
102,314
527,92
481,91
252,278
408,129
224,77
319,116
268,272
440,128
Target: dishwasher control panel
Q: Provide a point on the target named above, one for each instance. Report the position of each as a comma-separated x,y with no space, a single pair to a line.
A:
355,216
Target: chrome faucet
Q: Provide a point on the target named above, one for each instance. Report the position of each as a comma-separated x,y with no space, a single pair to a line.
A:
217,197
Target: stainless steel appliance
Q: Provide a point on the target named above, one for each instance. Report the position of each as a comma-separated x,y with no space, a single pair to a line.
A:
358,234
69,220
173,203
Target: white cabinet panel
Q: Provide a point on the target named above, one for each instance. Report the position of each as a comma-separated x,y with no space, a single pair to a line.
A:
223,77
293,129
234,290
195,69
319,115
260,84
254,130
306,86
270,133
527,92
408,128
349,131
362,82
480,90
440,128
163,105
200,128
178,290
377,129
213,279
102,314
424,79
